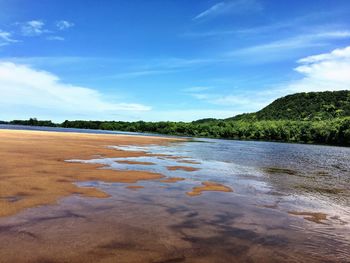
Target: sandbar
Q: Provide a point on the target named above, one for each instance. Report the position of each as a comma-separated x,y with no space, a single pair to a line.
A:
34,171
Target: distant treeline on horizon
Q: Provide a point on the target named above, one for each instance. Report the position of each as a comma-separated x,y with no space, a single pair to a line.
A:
334,132
315,117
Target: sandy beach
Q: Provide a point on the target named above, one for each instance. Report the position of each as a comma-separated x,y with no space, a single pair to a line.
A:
34,171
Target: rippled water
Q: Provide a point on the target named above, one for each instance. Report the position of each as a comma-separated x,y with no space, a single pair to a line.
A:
298,182
289,203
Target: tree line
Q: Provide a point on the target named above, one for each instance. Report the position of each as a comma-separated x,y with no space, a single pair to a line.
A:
334,131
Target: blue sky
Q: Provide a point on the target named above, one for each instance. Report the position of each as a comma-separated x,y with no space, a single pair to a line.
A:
166,60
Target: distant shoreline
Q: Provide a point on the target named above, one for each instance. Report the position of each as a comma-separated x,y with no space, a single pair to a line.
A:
83,130
160,135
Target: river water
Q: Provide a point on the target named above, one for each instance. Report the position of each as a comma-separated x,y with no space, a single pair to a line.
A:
289,203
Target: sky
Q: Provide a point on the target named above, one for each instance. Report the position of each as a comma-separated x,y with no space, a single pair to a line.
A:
158,60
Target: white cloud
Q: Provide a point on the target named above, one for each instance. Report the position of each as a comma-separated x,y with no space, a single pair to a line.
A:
238,103
33,28
323,72
160,66
139,73
217,8
328,71
64,24
292,43
309,22
6,38
235,100
26,92
38,27
55,38
197,89
342,53
237,6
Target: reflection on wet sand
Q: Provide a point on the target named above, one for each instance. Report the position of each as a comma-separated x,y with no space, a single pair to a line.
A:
311,216
188,161
141,227
277,170
252,214
183,168
135,187
171,179
135,162
209,186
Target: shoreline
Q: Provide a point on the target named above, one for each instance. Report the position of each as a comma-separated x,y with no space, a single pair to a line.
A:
160,135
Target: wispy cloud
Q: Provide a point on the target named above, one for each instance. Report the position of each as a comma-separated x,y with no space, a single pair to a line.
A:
6,38
33,28
241,102
227,7
55,38
43,62
197,89
36,28
31,92
64,24
139,73
215,9
307,22
140,68
280,48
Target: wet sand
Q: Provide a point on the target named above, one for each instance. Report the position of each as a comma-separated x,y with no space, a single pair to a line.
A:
135,187
183,168
141,226
69,197
209,186
135,162
313,217
34,171
172,180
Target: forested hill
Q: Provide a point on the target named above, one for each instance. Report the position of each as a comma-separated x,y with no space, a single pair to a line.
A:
304,106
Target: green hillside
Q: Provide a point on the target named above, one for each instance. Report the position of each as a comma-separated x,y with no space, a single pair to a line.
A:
304,106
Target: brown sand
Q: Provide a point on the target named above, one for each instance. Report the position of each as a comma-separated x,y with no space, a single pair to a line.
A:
172,180
135,162
135,187
183,168
33,170
315,217
209,186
